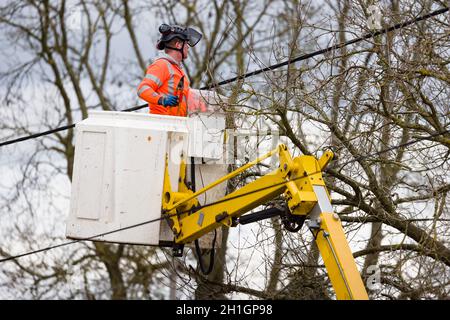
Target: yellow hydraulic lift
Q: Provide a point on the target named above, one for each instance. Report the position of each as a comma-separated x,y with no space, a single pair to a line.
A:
300,180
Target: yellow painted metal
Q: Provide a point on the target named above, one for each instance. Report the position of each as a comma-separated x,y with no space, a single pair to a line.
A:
234,204
296,179
166,186
182,187
338,259
170,197
167,199
224,178
325,159
305,172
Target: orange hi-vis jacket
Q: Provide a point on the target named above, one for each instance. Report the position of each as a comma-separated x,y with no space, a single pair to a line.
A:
162,78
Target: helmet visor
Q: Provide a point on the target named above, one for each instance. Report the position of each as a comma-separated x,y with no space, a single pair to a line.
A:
193,36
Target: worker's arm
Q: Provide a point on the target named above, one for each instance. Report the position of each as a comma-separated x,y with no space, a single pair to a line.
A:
155,76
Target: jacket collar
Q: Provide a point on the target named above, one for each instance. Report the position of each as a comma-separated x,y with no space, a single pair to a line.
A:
164,55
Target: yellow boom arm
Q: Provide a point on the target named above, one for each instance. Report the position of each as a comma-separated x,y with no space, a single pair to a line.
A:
300,180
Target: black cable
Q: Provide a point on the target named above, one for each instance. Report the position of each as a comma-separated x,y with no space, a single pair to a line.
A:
44,133
223,200
211,255
36,135
260,215
193,174
332,48
270,68
79,240
250,74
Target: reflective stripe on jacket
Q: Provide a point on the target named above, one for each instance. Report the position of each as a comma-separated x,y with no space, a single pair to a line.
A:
161,78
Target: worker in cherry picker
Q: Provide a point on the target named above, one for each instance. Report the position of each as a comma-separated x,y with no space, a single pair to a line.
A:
165,86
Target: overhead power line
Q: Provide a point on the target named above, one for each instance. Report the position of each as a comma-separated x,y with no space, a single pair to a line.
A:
79,240
44,133
332,48
360,158
36,135
256,72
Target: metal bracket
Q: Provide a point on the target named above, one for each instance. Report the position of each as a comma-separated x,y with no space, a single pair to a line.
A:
313,224
177,249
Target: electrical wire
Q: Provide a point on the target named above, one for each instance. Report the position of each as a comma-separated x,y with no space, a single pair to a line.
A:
37,135
250,74
216,202
334,47
256,72
83,239
44,133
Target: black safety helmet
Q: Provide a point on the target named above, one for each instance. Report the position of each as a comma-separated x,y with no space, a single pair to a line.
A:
169,32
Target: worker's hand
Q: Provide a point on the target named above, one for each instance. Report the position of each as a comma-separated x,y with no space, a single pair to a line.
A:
169,100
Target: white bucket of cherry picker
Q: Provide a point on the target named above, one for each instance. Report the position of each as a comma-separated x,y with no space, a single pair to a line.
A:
119,167
118,175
